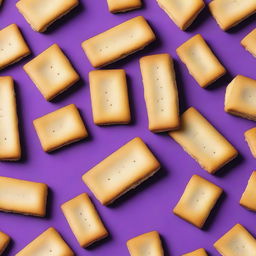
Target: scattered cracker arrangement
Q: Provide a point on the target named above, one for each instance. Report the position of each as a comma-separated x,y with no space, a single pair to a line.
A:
133,163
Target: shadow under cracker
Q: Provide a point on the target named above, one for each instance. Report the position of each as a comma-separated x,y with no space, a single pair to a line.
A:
166,246
8,249
243,24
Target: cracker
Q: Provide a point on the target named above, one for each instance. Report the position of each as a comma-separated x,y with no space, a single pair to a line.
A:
51,72
4,241
122,171
12,46
40,14
240,98
182,12
84,220
201,62
123,5
146,244
109,97
229,13
48,243
197,201
249,42
250,137
160,92
60,127
203,142
10,148
22,196
199,252
236,242
248,198
118,42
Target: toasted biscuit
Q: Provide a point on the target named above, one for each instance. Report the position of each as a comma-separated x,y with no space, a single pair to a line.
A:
118,42
202,64
249,42
10,148
240,98
146,244
109,97
60,127
203,142
84,220
123,5
199,252
4,241
160,92
12,46
40,14
250,137
182,12
123,170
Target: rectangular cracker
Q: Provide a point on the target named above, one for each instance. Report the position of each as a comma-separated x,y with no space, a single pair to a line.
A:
12,46
203,142
22,196
60,127
240,98
123,5
236,242
250,137
48,243
51,72
146,244
40,14
84,220
182,12
229,13
109,97
122,171
118,42
4,241
201,62
160,92
10,148
248,198
198,252
249,42
197,201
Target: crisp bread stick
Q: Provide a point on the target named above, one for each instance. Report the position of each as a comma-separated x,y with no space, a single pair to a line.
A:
51,72
240,98
197,201
118,42
201,62
109,97
10,148
146,244
4,241
182,12
203,142
84,220
160,92
21,196
229,13
249,42
199,252
250,137
236,242
12,46
123,170
49,243
248,198
123,5
60,127
40,14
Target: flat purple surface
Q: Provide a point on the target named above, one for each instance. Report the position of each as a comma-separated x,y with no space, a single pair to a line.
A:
149,207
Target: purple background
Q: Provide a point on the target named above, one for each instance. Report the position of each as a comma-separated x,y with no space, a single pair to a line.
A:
149,207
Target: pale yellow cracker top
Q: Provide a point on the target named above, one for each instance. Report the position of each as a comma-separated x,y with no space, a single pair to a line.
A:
182,12
146,244
198,252
249,42
47,244
42,13
4,241
123,5
84,220
118,42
